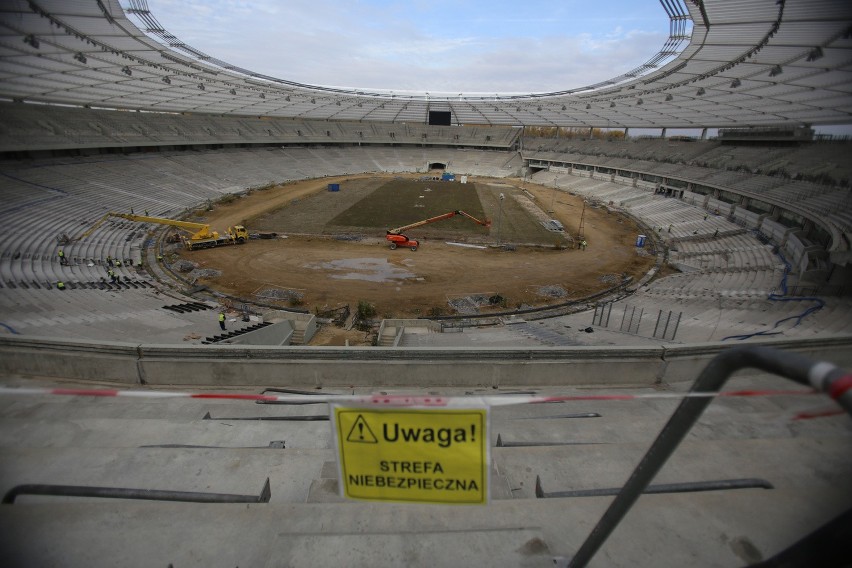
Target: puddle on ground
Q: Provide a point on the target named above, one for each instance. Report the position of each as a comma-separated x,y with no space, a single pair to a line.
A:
368,269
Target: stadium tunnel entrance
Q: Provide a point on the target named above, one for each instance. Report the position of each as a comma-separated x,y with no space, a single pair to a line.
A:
437,166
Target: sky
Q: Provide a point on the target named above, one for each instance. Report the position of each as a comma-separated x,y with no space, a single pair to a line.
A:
439,46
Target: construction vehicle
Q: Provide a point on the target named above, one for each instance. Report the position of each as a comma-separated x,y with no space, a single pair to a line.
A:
200,234
398,239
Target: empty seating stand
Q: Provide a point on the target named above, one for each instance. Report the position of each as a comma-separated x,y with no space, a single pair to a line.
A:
235,333
188,307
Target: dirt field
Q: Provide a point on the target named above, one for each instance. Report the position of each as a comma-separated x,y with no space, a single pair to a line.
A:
311,269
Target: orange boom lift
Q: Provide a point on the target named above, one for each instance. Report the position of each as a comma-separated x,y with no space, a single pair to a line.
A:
398,239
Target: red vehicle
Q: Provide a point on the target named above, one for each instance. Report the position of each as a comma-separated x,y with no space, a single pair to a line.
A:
398,239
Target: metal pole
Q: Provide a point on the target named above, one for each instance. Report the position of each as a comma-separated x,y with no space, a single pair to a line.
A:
128,493
677,323
500,218
639,320
823,376
553,194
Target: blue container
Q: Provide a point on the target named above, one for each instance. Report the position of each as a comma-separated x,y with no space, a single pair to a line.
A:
334,187
640,240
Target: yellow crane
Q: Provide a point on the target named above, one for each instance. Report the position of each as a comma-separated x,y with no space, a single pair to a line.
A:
200,234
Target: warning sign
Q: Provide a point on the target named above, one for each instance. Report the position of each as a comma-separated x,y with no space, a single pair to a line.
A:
425,455
361,433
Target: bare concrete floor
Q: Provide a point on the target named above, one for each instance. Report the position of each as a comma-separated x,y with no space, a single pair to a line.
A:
225,446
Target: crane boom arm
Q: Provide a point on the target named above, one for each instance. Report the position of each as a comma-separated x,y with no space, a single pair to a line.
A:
198,230
94,227
399,230
485,223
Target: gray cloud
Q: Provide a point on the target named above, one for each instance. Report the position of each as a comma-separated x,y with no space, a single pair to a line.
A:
351,44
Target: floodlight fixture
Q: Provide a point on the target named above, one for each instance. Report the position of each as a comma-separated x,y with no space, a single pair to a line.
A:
775,71
31,40
126,70
80,57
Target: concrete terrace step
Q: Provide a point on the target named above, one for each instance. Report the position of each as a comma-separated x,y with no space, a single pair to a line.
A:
518,532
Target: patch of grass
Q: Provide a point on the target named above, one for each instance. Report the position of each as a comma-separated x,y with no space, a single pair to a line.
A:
366,310
399,202
436,311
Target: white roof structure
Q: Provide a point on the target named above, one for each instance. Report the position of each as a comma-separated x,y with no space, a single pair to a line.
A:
726,63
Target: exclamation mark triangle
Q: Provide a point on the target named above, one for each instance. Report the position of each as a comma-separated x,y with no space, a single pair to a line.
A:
361,432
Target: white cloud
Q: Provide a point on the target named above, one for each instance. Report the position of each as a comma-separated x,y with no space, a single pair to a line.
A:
402,46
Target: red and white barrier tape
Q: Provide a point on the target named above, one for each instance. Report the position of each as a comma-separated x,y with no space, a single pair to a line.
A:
439,401
398,400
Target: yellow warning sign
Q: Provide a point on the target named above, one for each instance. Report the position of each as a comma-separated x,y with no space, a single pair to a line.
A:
428,455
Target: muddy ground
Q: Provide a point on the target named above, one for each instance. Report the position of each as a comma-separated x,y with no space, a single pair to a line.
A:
306,269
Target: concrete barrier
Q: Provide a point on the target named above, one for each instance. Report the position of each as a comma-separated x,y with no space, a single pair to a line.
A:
73,359
393,367
344,367
684,362
273,335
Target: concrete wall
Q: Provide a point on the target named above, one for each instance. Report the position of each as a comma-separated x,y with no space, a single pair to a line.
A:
715,205
310,327
795,250
684,362
253,366
694,198
748,218
274,335
306,323
84,360
774,230
390,327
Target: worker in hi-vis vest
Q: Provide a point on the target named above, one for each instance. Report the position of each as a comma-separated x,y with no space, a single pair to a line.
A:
222,320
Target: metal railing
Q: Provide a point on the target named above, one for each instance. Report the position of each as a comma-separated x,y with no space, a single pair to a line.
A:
822,376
